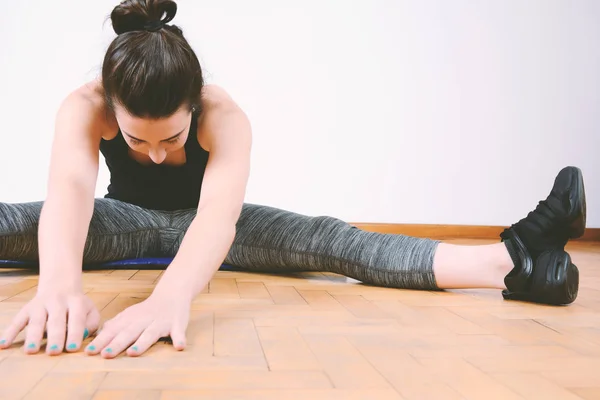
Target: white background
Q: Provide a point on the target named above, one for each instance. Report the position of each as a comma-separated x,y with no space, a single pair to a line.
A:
421,111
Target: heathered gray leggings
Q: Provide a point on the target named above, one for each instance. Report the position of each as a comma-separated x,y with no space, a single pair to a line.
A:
267,240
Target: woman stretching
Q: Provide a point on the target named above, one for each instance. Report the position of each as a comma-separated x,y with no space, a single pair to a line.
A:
178,152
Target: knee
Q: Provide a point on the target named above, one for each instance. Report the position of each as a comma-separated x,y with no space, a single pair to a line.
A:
327,219
330,224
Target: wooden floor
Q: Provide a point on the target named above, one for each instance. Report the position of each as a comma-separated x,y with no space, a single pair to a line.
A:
324,336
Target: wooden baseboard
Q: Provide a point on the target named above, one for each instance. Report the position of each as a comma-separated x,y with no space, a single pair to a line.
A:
441,232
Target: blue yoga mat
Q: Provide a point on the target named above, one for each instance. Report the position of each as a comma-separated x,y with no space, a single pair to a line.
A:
136,263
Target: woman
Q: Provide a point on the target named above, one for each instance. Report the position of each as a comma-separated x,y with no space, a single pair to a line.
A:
179,155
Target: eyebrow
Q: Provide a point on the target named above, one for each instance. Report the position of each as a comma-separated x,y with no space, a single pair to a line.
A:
164,140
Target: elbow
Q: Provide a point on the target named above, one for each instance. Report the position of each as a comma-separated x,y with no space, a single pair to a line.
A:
70,192
223,219
231,232
229,223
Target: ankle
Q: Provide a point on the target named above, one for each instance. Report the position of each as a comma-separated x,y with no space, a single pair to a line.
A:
506,263
515,260
483,266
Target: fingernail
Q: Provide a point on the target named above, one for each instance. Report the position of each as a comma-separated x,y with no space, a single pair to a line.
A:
72,346
3,341
109,350
91,348
31,346
54,347
134,348
85,333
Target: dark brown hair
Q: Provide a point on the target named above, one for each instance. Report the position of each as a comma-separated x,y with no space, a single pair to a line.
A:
150,68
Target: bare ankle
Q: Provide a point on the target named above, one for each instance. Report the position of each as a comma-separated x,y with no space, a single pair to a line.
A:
476,267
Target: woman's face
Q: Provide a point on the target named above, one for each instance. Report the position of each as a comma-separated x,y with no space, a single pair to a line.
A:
155,138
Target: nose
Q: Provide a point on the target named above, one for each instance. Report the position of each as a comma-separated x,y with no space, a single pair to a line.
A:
157,155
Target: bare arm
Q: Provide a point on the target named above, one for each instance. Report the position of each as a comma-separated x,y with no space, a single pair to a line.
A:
228,136
69,204
60,307
225,132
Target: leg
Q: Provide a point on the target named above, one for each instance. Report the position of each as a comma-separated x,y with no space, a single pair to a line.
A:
272,240
117,230
530,264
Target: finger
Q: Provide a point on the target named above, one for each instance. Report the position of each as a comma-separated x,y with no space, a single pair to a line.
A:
92,320
56,330
76,326
144,342
122,341
18,323
178,336
104,337
92,323
35,330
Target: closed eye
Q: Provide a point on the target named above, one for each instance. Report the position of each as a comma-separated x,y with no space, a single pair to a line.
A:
136,142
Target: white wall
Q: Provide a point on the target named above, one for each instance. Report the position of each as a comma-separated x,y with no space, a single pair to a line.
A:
421,111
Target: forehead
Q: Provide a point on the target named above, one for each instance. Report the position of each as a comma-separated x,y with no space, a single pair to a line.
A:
144,127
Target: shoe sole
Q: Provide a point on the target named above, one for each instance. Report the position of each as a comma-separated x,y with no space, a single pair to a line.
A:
577,202
555,281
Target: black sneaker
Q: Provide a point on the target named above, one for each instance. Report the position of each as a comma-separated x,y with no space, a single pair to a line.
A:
543,270
550,279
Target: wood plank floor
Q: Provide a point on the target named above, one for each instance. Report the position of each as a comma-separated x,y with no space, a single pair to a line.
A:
255,336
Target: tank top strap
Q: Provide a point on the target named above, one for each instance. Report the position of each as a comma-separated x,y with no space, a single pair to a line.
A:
192,146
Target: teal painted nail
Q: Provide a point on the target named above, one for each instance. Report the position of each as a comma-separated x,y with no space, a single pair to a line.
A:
109,350
72,346
86,333
134,348
92,348
54,347
2,341
31,346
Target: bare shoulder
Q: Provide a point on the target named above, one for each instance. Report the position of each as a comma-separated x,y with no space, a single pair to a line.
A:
81,122
214,96
86,105
222,119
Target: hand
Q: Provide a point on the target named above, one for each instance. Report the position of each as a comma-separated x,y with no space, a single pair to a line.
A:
68,317
138,327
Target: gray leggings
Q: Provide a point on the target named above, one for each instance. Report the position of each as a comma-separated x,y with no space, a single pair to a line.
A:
267,240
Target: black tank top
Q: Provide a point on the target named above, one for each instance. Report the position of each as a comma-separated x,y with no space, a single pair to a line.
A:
155,186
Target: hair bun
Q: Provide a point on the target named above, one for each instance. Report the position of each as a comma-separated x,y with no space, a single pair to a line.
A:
139,15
